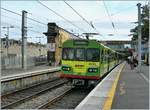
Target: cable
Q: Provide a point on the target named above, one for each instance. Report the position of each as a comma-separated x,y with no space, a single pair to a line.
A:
18,27
15,19
78,14
18,19
60,16
109,16
91,25
21,15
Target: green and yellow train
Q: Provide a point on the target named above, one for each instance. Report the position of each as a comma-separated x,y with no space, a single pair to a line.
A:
87,61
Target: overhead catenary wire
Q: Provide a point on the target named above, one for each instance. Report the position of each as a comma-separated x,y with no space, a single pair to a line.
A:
60,16
78,14
19,20
91,25
18,27
21,15
109,16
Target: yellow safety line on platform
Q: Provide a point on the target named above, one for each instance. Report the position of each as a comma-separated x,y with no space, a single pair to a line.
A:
108,102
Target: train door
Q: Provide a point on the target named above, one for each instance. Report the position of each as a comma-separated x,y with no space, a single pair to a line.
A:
102,62
108,59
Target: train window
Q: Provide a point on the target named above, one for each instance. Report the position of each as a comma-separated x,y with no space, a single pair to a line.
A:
92,54
68,54
80,54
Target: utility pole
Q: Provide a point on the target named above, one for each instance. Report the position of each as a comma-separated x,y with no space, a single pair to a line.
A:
24,39
139,36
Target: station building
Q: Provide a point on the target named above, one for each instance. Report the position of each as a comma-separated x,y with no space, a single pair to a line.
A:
11,53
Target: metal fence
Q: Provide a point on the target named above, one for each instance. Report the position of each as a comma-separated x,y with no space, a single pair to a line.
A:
15,61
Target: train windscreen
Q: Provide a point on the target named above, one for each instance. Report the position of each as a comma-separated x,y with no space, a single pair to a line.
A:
68,54
93,55
80,54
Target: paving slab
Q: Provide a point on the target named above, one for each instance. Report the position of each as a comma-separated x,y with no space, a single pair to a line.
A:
97,97
132,90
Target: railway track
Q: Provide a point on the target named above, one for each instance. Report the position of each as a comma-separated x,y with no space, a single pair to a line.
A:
13,99
69,99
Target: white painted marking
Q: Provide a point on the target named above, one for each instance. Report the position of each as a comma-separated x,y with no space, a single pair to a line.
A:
93,96
144,77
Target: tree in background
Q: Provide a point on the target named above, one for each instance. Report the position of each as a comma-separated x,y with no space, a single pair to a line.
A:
145,25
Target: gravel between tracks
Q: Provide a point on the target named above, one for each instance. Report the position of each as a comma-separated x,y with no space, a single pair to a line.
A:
71,100
37,101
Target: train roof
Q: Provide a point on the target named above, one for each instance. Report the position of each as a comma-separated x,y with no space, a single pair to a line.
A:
107,47
96,42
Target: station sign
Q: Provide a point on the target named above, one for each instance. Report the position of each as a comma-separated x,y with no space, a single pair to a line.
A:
51,47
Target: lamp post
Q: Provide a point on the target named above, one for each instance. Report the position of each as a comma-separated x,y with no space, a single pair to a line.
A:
7,36
39,45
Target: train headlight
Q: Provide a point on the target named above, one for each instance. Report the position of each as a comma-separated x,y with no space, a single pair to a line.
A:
64,68
90,70
93,70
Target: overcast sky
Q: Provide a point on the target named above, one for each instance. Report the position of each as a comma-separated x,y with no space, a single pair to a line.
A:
122,14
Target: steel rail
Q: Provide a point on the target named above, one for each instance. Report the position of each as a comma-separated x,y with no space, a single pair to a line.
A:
33,95
55,99
28,87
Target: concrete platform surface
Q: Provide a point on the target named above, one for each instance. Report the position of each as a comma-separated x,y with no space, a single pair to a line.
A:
23,79
5,72
132,90
97,98
11,74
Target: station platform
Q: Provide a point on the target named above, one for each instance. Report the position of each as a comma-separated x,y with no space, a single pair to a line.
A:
7,72
132,90
123,88
17,79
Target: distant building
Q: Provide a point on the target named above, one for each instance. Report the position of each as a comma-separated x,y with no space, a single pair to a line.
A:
14,48
120,46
